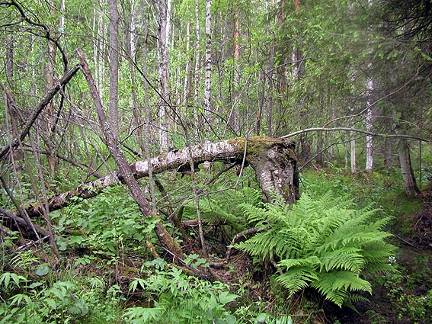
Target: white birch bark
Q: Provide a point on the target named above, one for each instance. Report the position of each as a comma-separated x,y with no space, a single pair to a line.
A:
353,155
369,117
62,17
133,30
197,54
275,169
186,83
369,126
208,61
233,118
163,37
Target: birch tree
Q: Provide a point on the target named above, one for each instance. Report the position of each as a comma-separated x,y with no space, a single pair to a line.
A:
208,61
162,42
369,114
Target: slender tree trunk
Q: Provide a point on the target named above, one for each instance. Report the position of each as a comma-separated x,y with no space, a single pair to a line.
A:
208,62
388,153
49,110
297,74
270,91
369,126
132,48
99,57
187,78
353,154
259,115
197,60
281,69
163,37
62,17
233,118
410,184
114,66
11,108
369,117
388,143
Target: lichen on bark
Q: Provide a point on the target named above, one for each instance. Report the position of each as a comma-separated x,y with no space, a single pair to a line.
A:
275,165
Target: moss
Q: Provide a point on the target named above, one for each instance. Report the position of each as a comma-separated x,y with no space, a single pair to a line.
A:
258,144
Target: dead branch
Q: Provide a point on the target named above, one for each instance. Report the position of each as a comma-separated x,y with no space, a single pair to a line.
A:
40,107
355,130
240,237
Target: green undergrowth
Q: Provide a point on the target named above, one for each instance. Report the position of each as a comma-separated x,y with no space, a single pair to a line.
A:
384,190
325,247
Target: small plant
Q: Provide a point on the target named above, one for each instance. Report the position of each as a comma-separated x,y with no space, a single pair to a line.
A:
324,243
10,280
180,298
64,301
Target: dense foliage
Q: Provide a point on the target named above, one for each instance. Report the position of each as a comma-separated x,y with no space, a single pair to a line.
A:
85,236
320,242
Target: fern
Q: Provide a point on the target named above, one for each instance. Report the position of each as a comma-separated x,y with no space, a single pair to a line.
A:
324,243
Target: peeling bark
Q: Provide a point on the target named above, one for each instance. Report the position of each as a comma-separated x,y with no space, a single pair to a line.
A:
273,160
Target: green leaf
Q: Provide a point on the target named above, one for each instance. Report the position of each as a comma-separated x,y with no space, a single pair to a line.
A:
42,270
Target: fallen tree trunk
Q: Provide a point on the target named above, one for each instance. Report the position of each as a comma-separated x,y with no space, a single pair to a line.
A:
273,160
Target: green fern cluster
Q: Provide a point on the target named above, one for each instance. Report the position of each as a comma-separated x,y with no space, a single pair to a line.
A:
324,243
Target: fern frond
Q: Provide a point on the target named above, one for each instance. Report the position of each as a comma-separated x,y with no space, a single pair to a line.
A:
323,242
297,279
346,258
311,261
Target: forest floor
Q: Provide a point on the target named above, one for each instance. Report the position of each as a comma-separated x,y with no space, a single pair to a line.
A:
105,261
404,296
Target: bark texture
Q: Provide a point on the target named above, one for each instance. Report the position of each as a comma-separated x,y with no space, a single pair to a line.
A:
114,66
273,160
208,61
411,188
162,44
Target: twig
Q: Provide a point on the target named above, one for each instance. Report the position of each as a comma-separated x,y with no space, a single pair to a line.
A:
349,129
241,236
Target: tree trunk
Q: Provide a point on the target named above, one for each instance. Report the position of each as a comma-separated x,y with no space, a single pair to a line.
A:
13,117
163,36
410,184
114,63
197,60
187,78
49,110
353,154
208,63
369,113
233,118
125,172
369,126
131,49
273,160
